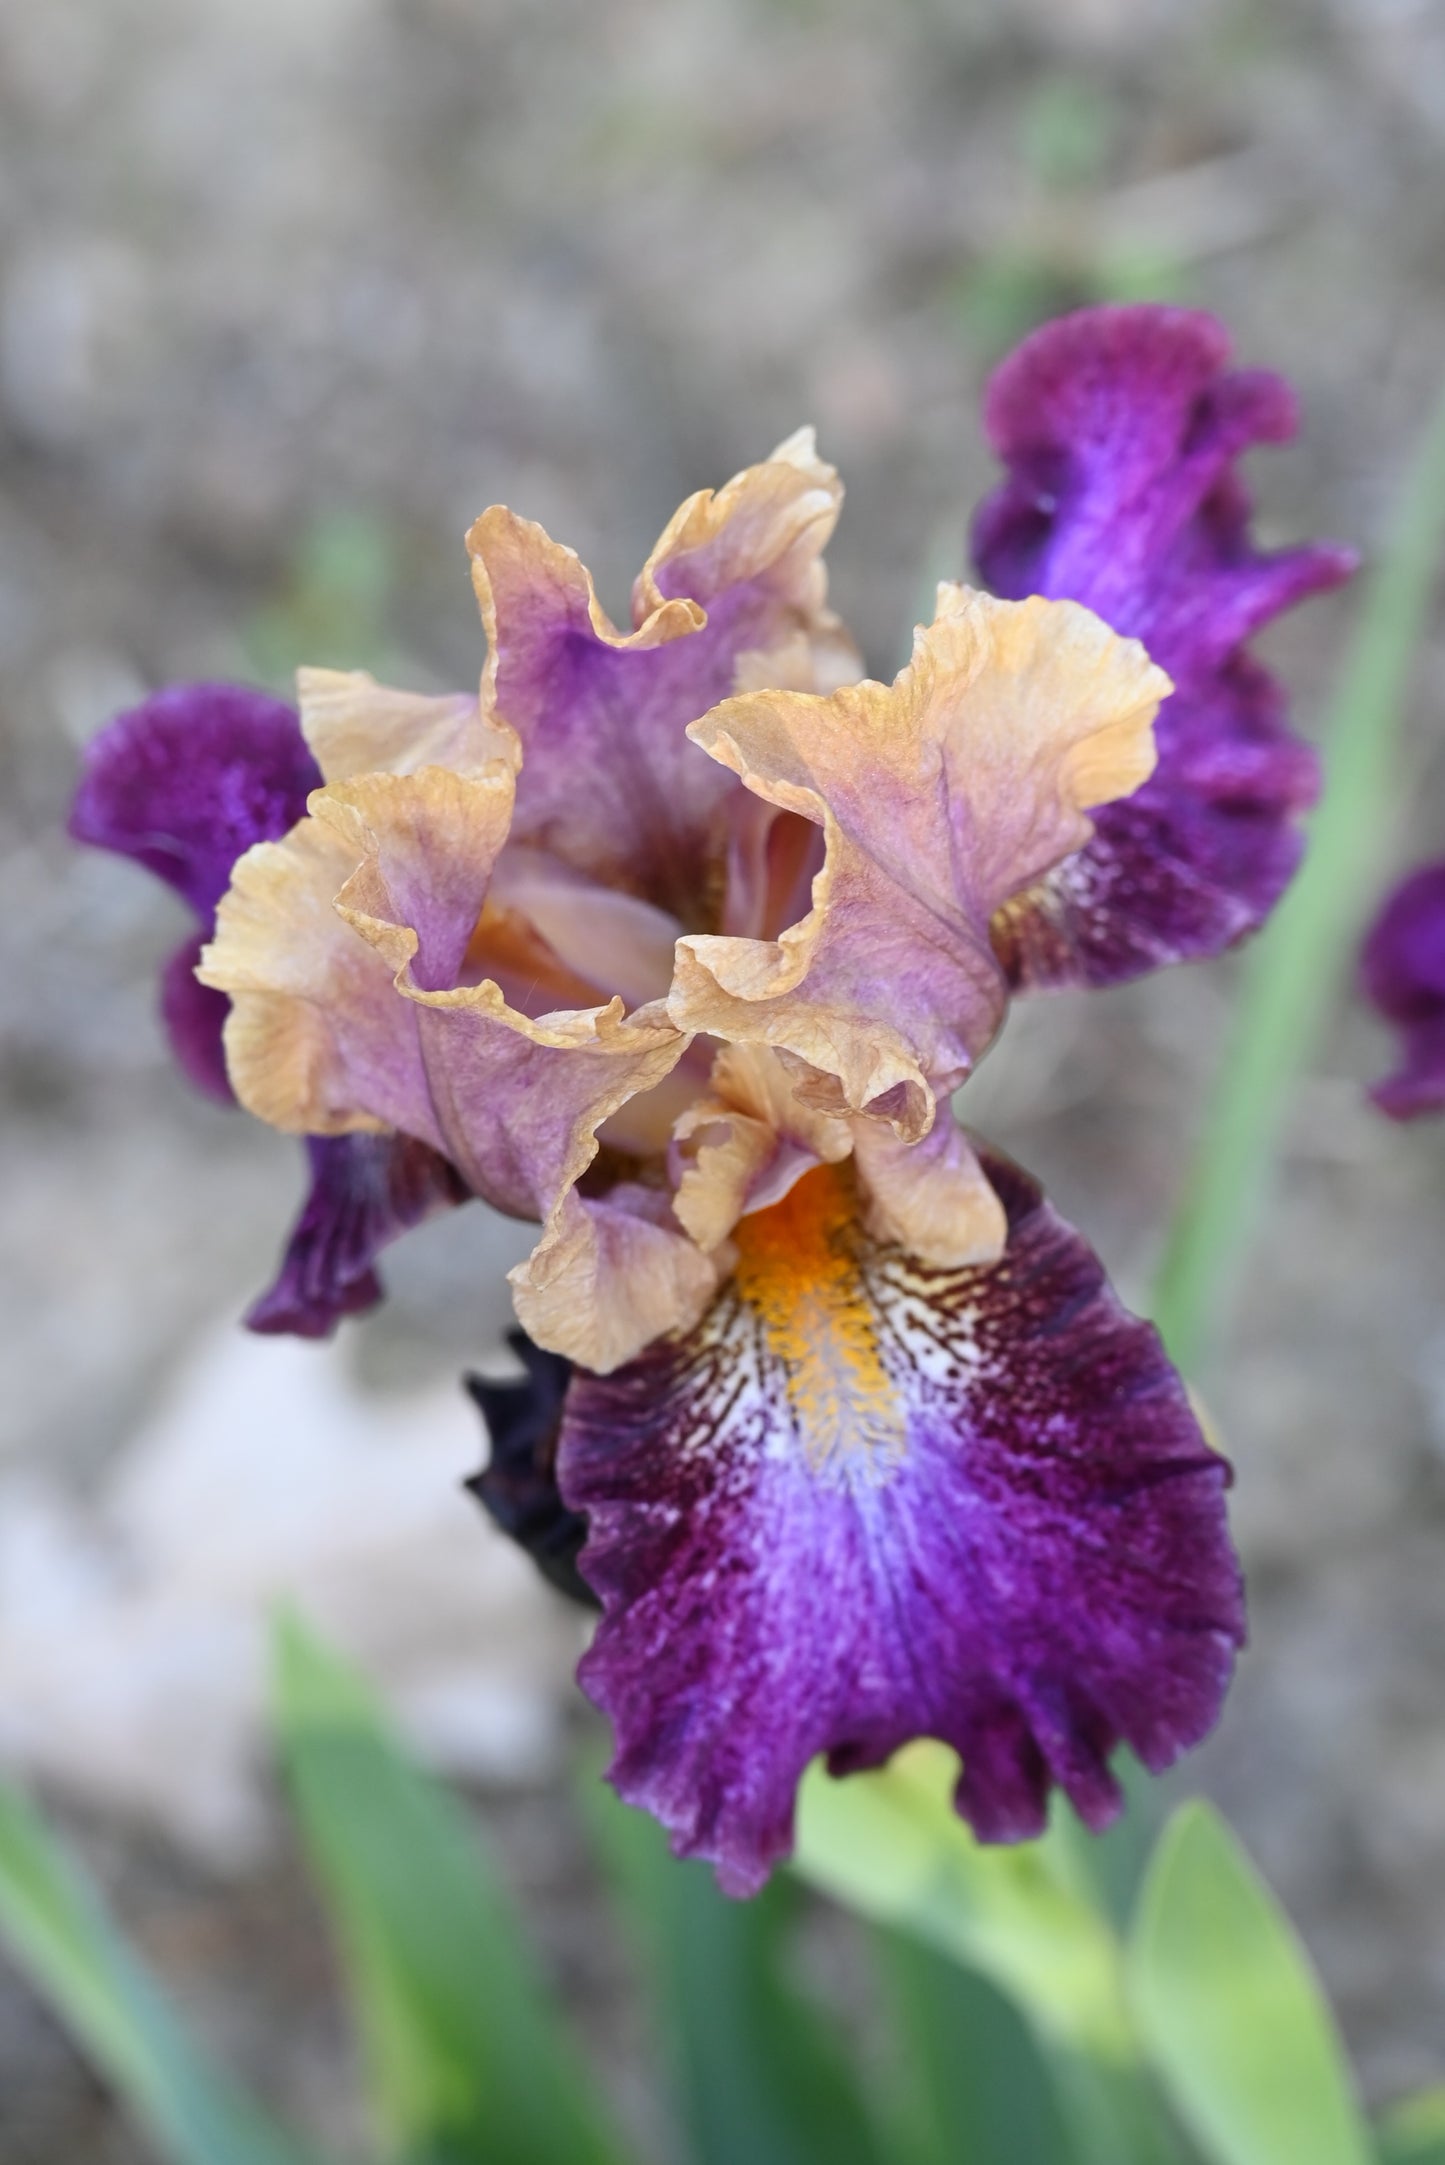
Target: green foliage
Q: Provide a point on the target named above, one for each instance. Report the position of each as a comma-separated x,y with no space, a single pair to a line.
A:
1023,2031
60,1935
757,2071
890,1846
466,2059
973,2087
1230,2011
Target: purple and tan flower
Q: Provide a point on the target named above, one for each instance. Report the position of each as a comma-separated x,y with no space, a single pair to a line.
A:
679,940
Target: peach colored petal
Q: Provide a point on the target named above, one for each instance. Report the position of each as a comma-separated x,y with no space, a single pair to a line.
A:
939,796
316,1042
341,948
741,1147
356,726
932,1197
604,1282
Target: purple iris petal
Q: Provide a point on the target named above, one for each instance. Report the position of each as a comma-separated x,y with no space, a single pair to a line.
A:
195,1017
365,1191
1022,1550
1404,975
189,779
184,784
1120,428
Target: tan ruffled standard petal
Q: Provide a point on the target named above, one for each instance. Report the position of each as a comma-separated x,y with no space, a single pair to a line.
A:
519,1101
356,726
939,796
386,872
609,782
742,1146
316,1042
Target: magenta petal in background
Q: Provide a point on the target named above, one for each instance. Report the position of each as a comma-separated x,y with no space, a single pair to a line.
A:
1120,428
1043,1573
189,779
1404,975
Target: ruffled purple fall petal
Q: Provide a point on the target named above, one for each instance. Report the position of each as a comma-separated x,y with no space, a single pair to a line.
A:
867,1501
366,1190
517,1488
1404,975
1120,428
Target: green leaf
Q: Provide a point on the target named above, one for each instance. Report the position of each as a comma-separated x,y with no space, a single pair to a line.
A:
61,1937
758,2073
1230,2011
1294,972
467,2059
974,2085
890,1846
1414,2133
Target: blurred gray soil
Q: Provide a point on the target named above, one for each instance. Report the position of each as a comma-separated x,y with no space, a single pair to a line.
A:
289,290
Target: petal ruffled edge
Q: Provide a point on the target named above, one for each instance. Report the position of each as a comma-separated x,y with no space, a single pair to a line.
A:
1121,428
866,1502
939,796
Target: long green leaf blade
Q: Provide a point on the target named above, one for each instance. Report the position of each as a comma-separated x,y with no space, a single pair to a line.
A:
1297,968
467,2059
758,2073
890,1846
61,1937
1230,2011
975,2088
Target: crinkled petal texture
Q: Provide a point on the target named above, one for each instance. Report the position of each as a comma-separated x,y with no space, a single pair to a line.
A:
939,796
609,783
350,951
184,784
189,779
1120,428
1404,975
867,1501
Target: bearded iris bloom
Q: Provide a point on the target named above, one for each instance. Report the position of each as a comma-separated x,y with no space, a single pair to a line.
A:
680,940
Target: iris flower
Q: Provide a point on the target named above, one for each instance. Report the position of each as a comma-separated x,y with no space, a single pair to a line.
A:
679,939
1404,973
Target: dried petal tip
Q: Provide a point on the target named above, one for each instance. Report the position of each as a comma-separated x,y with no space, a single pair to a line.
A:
517,1488
1404,975
1121,428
